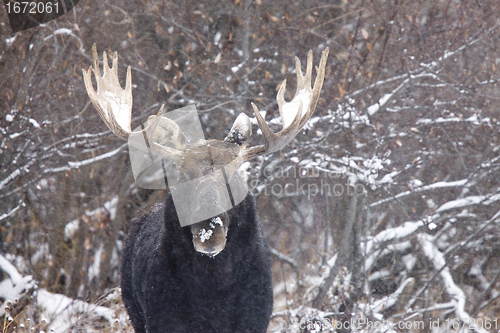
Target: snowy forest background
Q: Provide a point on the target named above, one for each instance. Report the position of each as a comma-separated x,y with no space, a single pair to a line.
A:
405,135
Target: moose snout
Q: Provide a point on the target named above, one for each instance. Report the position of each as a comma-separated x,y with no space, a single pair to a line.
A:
209,236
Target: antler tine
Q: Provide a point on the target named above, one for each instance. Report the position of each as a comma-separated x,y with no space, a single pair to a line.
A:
318,84
280,96
304,81
114,105
294,114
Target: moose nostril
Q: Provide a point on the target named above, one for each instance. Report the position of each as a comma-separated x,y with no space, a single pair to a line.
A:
208,171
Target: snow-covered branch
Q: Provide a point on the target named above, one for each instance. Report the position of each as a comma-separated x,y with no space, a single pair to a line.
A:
60,311
437,185
12,211
385,302
75,165
456,294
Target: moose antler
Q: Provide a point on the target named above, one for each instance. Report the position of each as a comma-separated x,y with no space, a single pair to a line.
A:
292,113
114,105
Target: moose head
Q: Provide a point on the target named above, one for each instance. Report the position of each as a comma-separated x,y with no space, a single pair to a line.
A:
202,159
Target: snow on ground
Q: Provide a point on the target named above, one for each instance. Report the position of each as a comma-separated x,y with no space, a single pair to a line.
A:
60,311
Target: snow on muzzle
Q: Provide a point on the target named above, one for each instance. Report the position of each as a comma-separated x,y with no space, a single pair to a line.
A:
209,236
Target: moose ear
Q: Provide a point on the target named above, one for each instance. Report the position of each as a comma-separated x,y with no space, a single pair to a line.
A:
241,130
167,133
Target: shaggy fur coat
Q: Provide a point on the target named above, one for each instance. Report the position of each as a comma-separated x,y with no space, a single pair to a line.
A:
168,287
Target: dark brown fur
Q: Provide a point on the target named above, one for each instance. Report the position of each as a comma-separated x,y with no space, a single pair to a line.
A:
168,287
